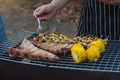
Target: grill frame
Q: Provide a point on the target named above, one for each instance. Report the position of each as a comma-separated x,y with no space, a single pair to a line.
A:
109,64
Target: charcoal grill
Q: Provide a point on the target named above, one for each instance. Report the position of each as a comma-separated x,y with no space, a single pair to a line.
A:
107,68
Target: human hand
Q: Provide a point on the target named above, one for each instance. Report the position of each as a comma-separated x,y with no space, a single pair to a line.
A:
112,2
45,12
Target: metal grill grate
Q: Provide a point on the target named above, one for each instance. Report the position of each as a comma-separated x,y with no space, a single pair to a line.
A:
109,62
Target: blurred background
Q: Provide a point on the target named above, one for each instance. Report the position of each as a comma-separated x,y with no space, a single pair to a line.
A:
18,15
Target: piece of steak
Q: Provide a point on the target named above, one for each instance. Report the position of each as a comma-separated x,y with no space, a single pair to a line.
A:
28,50
56,48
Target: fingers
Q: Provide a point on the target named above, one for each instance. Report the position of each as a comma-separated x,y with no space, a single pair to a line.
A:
112,2
105,1
44,18
37,12
47,16
44,12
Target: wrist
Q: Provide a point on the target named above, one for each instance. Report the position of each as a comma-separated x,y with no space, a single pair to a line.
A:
58,4
53,6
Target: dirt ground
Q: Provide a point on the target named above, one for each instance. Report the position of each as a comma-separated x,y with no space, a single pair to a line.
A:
18,15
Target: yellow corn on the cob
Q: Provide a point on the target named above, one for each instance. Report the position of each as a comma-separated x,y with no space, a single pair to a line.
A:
78,53
93,53
100,45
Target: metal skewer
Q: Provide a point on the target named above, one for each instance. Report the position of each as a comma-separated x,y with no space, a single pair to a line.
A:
40,29
39,25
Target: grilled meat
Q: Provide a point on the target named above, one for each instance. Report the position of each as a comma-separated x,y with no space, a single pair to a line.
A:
61,43
55,48
28,50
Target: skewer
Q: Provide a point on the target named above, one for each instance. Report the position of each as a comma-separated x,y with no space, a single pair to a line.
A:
46,32
101,36
71,34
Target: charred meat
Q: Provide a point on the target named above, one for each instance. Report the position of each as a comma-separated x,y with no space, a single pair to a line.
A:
28,50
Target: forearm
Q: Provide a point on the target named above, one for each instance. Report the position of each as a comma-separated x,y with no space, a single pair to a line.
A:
58,4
